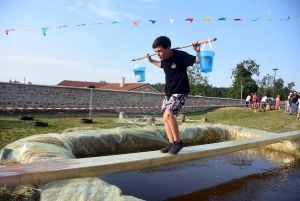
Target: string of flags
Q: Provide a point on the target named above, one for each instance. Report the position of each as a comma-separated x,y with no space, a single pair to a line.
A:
208,19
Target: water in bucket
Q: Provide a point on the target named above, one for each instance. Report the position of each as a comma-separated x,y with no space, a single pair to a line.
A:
140,74
206,61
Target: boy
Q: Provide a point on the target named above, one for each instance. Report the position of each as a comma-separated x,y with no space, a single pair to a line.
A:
174,63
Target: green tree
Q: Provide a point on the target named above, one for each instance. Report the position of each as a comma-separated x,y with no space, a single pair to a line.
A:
243,73
198,83
266,85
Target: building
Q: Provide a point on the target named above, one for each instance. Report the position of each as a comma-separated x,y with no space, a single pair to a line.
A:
122,86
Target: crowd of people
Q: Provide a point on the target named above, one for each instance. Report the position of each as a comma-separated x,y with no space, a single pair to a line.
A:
257,102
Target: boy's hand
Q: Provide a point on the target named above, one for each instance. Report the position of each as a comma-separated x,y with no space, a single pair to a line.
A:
196,46
148,57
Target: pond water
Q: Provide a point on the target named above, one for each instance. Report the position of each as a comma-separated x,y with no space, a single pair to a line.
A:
254,174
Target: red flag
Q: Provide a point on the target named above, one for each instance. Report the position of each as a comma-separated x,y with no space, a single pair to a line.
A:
189,19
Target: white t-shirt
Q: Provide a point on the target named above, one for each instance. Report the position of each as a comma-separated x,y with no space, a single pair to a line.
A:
248,98
264,99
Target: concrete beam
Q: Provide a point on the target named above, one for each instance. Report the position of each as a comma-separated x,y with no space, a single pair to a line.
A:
45,172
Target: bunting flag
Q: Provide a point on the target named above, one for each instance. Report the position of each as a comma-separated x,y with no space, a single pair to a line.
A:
63,26
189,19
6,31
45,30
171,21
206,19
286,18
27,29
153,21
136,22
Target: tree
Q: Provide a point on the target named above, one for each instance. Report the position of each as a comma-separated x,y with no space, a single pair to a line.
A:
266,85
243,73
198,83
102,81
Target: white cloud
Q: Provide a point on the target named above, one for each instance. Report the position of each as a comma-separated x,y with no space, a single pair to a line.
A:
105,9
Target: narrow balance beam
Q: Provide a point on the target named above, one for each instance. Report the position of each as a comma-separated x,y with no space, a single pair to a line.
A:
45,172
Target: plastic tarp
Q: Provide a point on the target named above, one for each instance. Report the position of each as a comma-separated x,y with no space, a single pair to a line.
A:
88,188
88,143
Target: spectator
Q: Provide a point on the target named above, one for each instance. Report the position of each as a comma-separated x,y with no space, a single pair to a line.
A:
248,101
294,103
264,101
277,106
298,116
289,101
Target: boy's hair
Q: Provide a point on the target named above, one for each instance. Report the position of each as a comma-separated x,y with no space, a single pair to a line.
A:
162,41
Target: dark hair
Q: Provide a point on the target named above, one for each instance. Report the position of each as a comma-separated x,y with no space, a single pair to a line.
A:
162,41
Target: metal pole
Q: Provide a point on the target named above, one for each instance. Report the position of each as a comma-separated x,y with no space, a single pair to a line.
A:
241,94
91,100
274,69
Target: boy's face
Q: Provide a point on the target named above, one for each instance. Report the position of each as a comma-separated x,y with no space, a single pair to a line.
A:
163,53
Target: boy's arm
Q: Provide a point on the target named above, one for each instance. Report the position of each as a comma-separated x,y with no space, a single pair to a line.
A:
156,63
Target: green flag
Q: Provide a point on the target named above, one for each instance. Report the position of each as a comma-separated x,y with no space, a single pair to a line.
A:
44,30
115,22
222,18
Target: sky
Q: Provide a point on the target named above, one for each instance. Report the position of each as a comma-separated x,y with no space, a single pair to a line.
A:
103,52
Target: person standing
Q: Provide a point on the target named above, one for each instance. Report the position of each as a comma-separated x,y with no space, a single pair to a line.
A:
264,101
175,64
294,103
277,106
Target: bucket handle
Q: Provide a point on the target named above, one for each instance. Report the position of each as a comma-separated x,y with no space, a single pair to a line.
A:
137,61
209,45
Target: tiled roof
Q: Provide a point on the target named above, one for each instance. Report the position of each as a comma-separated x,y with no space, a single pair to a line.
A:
110,86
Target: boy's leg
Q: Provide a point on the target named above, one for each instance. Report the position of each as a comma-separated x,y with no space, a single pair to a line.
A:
171,126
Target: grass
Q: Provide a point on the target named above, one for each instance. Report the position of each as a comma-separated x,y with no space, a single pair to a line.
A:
12,129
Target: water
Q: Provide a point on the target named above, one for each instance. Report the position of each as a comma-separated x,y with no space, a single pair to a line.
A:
254,174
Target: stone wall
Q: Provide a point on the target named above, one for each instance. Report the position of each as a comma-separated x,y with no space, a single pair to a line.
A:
28,95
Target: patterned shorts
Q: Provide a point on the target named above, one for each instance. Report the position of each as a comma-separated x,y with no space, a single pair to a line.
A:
174,103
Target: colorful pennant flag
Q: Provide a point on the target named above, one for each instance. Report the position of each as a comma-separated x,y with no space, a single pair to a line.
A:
6,31
80,25
153,21
256,19
237,19
45,30
115,22
63,26
189,19
270,19
136,22
206,19
286,18
27,29
171,21
222,18
97,23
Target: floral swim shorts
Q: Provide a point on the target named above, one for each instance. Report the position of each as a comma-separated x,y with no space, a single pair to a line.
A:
174,103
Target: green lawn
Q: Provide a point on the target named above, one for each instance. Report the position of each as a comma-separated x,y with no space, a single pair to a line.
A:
12,129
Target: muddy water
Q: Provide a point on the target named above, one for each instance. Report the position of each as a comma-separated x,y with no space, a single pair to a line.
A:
254,174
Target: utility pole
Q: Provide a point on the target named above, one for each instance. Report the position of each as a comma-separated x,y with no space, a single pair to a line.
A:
274,69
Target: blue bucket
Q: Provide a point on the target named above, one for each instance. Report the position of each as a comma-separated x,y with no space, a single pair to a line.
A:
140,74
206,59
